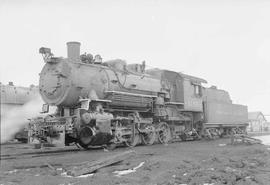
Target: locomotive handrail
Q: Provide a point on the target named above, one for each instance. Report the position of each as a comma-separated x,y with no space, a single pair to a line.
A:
97,100
132,94
174,103
127,110
93,65
224,124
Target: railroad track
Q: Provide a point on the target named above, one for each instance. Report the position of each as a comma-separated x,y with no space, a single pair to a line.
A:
45,152
40,153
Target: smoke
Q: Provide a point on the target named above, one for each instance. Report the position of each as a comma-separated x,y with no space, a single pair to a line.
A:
17,118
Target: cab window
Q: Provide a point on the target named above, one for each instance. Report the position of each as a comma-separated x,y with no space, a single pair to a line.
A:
197,90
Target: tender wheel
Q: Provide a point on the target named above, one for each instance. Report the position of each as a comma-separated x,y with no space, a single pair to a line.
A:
244,130
232,131
164,135
149,135
207,134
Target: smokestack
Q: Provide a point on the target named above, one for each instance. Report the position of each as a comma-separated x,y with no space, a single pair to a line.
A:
73,51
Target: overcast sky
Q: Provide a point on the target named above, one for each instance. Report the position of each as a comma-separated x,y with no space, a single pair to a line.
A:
225,42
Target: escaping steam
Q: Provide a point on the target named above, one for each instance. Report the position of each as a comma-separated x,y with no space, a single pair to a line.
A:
17,118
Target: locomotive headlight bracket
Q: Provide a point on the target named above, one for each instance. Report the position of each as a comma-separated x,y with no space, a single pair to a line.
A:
46,53
44,50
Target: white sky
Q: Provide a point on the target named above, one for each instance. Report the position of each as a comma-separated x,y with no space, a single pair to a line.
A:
225,42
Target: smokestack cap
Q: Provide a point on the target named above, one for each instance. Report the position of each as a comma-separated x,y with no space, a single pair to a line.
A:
73,42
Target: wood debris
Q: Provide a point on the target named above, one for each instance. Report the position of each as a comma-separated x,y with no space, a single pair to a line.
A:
90,167
244,139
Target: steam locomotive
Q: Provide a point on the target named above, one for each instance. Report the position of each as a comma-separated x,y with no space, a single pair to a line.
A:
113,103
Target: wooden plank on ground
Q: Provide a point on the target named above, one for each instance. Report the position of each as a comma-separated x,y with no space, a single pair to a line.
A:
241,138
90,167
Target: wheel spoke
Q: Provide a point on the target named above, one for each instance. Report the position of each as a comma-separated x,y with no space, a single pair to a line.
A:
133,140
164,133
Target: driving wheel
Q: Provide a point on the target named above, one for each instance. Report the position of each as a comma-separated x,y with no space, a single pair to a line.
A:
134,138
163,133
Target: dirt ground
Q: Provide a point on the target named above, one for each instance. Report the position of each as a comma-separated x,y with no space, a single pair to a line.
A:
195,162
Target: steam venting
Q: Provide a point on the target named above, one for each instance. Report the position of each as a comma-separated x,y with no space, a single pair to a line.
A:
17,118
73,51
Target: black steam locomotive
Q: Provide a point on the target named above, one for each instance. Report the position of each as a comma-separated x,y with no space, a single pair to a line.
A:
114,103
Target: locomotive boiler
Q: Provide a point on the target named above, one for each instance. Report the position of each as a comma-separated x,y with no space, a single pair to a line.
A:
113,103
